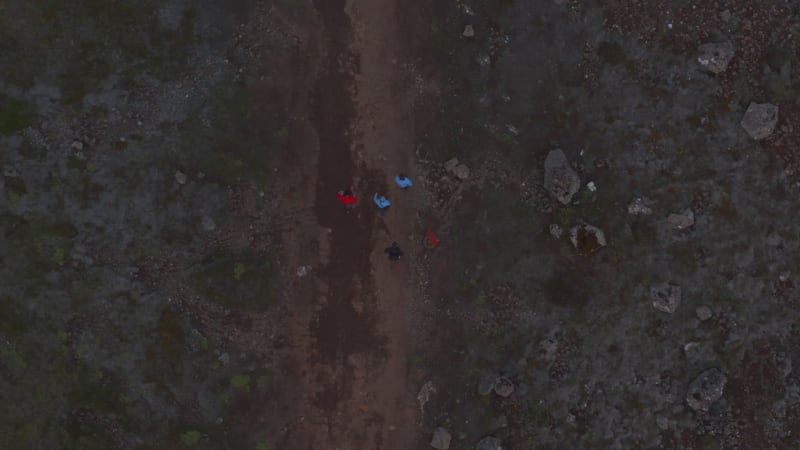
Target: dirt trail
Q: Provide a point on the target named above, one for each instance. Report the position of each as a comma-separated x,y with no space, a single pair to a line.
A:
346,364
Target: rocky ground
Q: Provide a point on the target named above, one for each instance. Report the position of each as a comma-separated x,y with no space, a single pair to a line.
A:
612,184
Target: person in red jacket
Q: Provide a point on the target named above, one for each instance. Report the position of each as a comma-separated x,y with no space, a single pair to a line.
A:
347,198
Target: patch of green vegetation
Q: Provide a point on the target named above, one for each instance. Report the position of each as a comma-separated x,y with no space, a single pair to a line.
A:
566,216
264,446
15,115
611,53
190,437
727,211
58,255
262,382
199,340
241,382
281,133
504,137
481,301
73,162
238,271
15,186
15,319
9,354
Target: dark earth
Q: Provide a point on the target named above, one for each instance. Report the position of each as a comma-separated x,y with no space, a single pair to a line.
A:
175,270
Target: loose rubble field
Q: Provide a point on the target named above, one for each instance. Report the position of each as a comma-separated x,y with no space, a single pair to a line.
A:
675,325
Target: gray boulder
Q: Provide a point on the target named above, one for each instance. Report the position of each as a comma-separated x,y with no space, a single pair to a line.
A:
487,383
706,389
666,297
490,443
560,180
503,387
715,57
760,119
441,439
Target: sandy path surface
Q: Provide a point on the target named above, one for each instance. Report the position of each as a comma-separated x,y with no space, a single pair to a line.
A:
345,365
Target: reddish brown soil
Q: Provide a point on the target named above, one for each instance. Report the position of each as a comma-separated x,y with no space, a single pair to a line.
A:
344,368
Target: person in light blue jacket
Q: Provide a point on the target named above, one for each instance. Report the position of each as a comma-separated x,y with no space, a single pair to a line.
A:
403,181
381,201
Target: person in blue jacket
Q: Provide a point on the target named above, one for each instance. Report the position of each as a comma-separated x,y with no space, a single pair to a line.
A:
403,181
381,201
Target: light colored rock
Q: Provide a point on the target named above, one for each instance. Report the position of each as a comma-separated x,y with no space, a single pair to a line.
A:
706,389
461,172
441,439
760,119
682,220
556,230
489,443
587,238
591,186
503,387
424,395
451,164
180,177
666,297
303,271
487,383
638,207
704,313
715,57
469,31
77,145
560,180
208,223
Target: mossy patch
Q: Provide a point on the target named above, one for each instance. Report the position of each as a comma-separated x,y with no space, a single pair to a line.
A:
15,114
247,280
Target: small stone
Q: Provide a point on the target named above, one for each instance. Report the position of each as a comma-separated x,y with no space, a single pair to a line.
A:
666,297
180,177
503,387
468,31
774,240
490,443
706,389
591,186
555,230
77,145
224,358
461,172
715,57
451,164
760,119
486,383
303,271
587,238
682,220
208,223
662,422
560,180
638,207
704,313
424,394
441,439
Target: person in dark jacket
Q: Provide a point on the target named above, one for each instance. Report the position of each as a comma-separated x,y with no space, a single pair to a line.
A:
394,252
